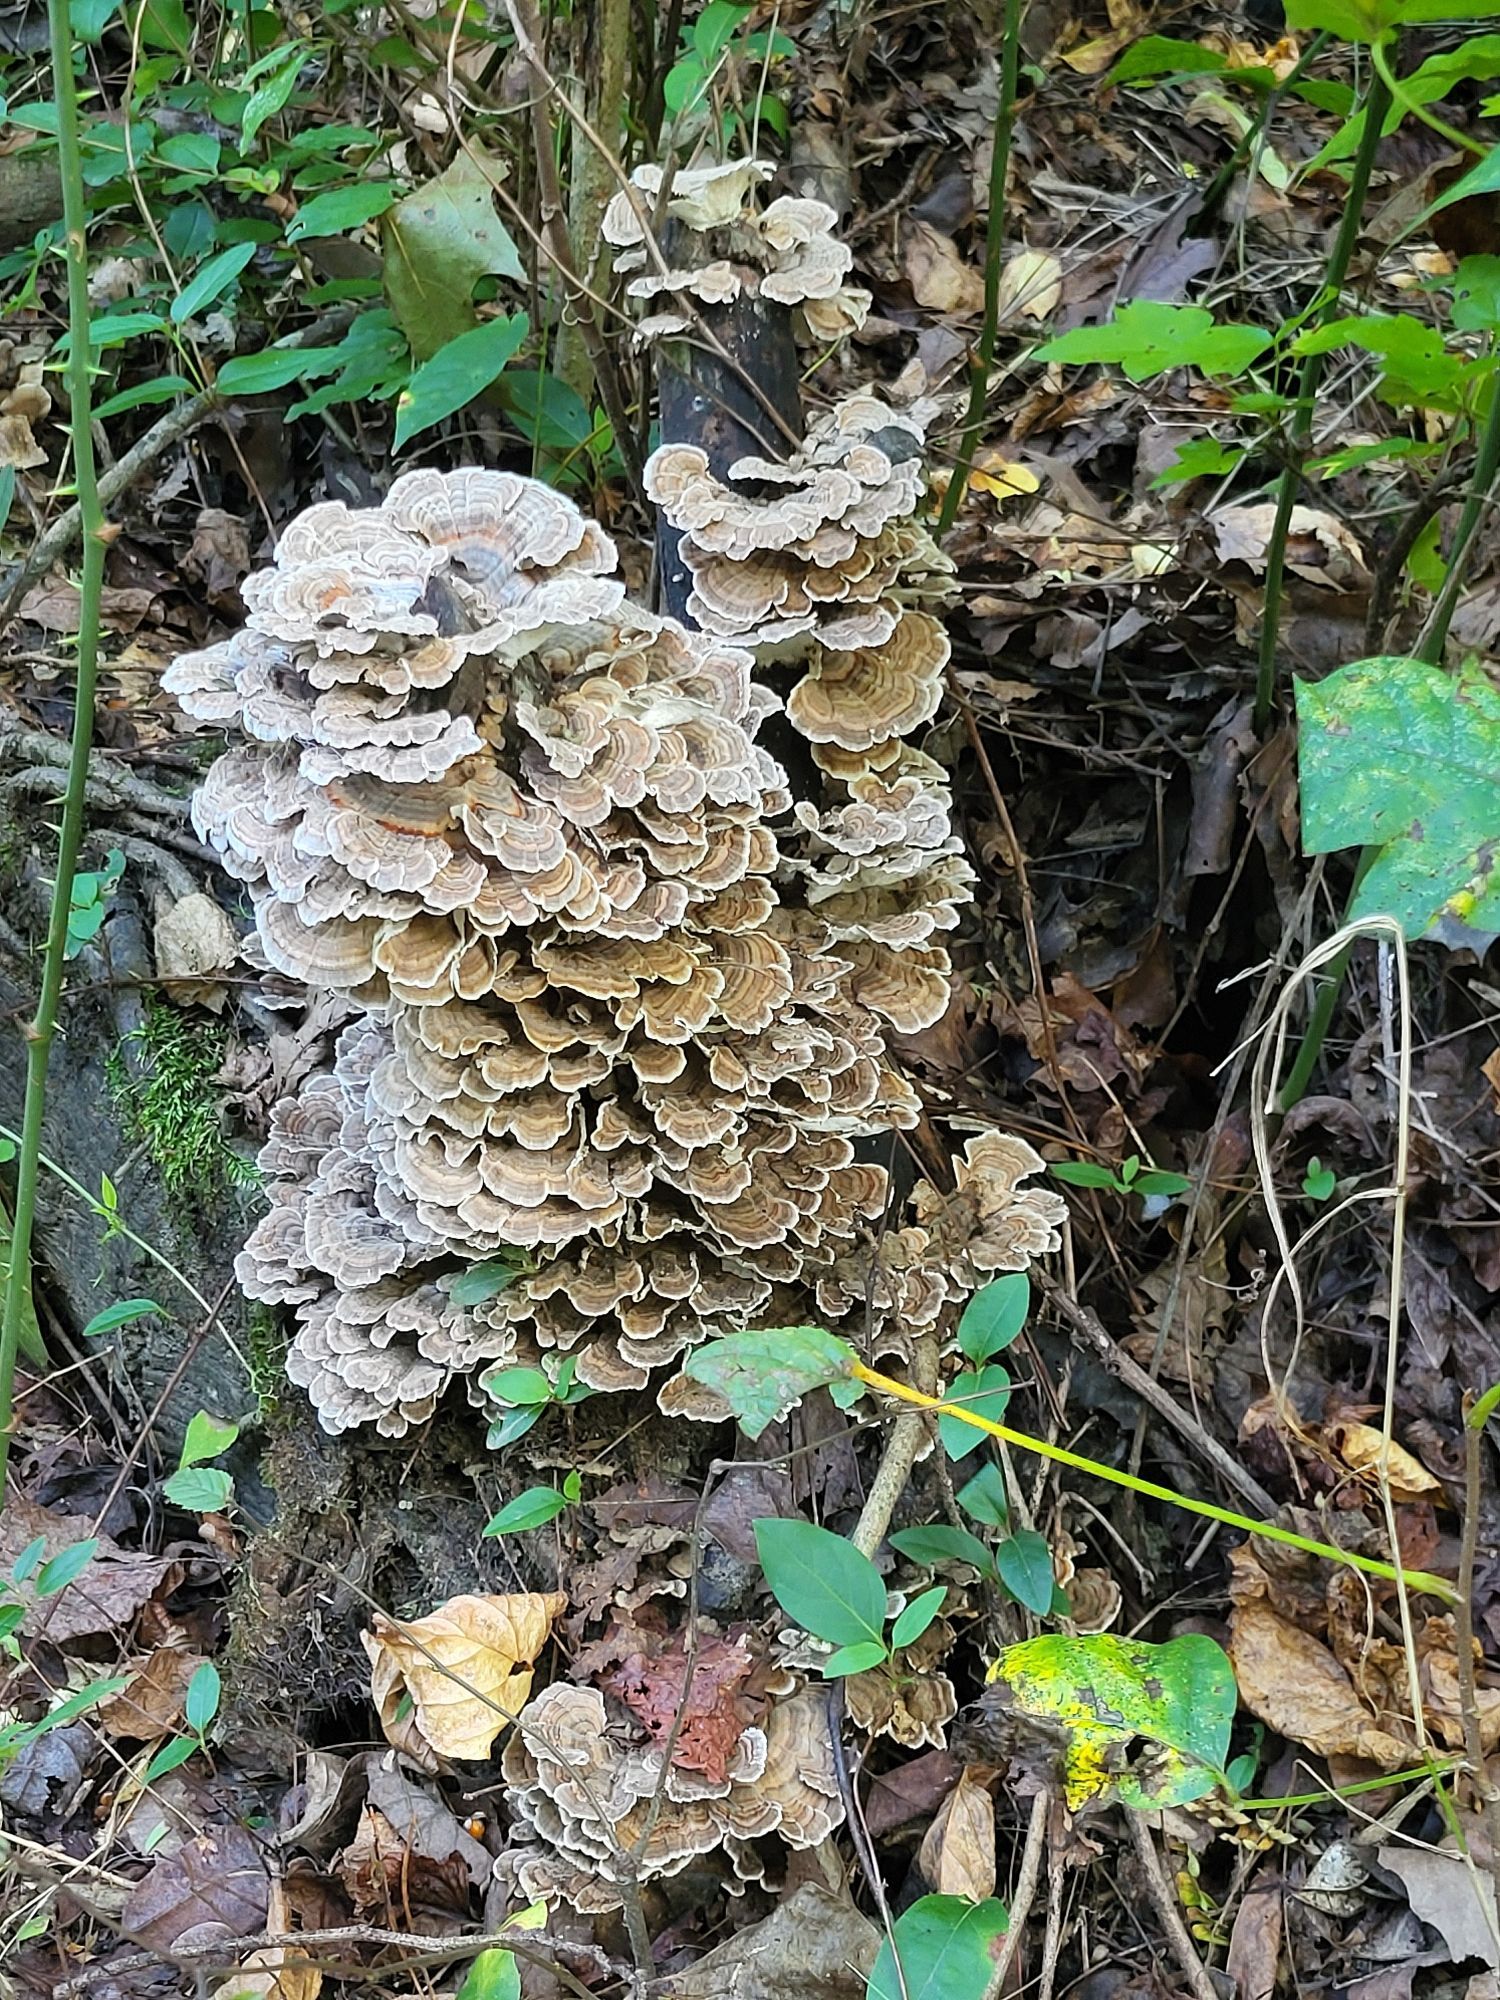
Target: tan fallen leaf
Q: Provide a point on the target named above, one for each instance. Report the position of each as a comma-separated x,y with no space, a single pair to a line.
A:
465,1670
1490,1070
1319,547
152,1701
957,1855
1295,1685
266,1975
193,940
938,276
1030,286
18,445
1360,1445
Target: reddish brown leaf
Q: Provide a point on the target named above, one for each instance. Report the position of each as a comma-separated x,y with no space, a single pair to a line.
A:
714,1716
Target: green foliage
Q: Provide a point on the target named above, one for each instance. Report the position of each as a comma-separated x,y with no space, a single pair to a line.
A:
88,904
1131,1177
494,1975
438,244
169,1097
985,1391
535,1507
942,1948
1025,1565
1146,339
480,1282
1399,757
196,1486
1319,1182
1102,1693
824,1583
718,48
460,370
994,1317
762,1376
524,1393
124,1313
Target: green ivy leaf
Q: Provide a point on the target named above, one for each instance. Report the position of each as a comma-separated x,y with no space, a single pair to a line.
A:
438,243
456,374
764,1374
946,1948
160,389
532,1509
995,1316
205,1438
942,1543
1025,1565
985,1391
170,1755
1403,757
1147,338
984,1497
823,1582
1200,458
855,1659
1155,1180
211,281
340,209
274,368
201,1703
199,1489
917,1616
1155,56
65,1567
1083,1173
1104,1692
494,1975
485,1281
518,1385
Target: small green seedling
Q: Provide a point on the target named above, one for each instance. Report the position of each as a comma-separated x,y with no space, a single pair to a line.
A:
1132,1176
33,1578
200,1706
536,1507
1319,1182
837,1594
523,1394
89,903
198,1487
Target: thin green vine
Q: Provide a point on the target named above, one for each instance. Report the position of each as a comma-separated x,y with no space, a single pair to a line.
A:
40,1031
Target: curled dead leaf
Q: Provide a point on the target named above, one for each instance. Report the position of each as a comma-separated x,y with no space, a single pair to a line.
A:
193,942
447,1684
939,278
957,1855
1295,1685
152,1701
1360,1447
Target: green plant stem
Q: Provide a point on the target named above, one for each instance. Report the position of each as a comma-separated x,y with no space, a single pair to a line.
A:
1481,488
1299,430
43,1027
1218,187
1414,1579
994,247
1381,65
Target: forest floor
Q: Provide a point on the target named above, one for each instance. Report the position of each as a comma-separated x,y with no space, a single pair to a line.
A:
1144,903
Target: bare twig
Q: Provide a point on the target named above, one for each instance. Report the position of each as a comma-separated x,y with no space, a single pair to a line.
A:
1024,1894
1167,1913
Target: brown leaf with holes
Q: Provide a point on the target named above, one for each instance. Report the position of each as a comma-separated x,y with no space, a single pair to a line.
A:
957,1855
654,1687
465,1668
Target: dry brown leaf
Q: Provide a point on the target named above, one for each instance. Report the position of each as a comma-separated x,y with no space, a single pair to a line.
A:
1447,1892
18,447
815,1946
466,1668
152,1702
1255,1941
957,1856
111,1589
193,940
1296,1686
217,1878
1360,1447
389,1881
703,1720
938,276
266,1975
1320,547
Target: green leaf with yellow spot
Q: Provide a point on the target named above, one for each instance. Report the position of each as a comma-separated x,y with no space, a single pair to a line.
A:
1145,1725
1403,758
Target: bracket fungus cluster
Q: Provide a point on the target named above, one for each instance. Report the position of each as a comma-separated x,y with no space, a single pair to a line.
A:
584,1801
